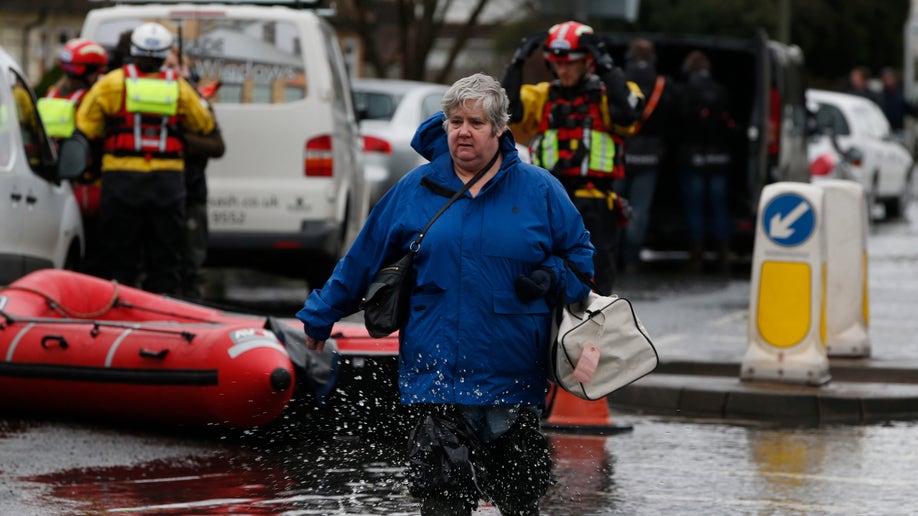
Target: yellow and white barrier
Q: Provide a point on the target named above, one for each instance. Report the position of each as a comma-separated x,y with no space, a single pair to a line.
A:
786,330
847,306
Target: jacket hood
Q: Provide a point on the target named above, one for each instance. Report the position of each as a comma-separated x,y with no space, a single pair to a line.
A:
430,139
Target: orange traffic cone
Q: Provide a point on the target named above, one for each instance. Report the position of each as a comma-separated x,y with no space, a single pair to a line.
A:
568,413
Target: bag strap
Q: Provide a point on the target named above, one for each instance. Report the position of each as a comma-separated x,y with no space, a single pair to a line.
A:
416,244
583,277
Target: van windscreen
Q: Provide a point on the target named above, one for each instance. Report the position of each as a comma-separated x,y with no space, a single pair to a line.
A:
256,61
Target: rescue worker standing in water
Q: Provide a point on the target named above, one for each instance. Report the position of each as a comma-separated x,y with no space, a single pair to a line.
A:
577,123
139,112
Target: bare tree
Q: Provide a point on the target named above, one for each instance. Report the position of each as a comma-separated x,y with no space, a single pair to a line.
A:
402,33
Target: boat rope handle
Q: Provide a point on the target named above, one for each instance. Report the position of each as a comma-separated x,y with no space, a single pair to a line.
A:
9,319
55,305
128,304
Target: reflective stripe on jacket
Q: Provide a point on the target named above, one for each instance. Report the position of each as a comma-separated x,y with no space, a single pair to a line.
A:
574,135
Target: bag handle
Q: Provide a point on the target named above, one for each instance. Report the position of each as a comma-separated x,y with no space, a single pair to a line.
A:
415,245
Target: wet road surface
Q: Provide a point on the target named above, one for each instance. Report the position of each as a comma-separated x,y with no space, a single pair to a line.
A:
661,466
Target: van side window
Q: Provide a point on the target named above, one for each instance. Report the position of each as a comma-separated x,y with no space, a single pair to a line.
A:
35,142
257,61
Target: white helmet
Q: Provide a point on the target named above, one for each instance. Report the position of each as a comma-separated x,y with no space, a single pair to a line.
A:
151,40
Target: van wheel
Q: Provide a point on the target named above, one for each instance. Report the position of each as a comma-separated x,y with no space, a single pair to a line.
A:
873,202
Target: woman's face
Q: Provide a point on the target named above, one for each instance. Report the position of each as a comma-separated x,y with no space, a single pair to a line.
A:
471,138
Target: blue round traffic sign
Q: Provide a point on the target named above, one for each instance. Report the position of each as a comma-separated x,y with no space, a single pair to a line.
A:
789,219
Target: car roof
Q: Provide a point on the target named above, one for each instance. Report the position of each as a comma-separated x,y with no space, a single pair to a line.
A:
836,97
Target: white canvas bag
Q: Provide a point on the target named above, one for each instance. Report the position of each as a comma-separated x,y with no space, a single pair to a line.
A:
599,346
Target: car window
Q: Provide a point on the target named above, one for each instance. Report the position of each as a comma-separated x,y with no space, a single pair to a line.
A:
829,118
866,119
431,104
257,61
374,105
880,124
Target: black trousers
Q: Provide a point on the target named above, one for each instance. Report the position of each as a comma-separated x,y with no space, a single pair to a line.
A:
602,223
514,470
143,240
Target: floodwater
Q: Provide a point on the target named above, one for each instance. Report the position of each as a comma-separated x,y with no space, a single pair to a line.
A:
334,466
660,466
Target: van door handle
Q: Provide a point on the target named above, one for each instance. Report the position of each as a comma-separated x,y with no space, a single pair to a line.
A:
31,199
16,196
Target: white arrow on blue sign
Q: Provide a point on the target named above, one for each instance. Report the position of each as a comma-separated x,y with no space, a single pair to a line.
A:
789,219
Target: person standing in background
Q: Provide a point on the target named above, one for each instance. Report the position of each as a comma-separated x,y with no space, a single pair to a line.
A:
83,62
579,122
858,84
646,149
705,127
198,151
896,107
140,112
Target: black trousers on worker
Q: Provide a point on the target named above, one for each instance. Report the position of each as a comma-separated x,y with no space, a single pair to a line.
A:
603,224
142,222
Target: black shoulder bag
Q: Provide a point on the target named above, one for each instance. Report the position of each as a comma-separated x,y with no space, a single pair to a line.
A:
385,304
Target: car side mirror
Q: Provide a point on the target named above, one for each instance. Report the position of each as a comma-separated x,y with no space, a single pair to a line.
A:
73,157
854,155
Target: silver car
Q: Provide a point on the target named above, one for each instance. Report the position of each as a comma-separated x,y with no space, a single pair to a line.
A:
390,112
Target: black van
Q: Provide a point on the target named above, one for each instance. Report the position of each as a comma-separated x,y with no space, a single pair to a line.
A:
765,82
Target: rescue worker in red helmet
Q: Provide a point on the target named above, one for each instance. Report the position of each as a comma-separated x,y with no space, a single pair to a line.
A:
83,62
575,125
139,112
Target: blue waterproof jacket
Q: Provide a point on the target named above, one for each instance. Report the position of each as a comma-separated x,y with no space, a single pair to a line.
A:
469,339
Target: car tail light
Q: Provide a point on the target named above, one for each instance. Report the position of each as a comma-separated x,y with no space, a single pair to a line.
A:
823,165
374,144
318,158
774,120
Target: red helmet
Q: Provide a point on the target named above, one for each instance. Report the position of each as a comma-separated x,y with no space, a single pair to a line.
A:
82,56
563,43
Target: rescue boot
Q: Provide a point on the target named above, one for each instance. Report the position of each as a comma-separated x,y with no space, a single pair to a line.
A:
696,258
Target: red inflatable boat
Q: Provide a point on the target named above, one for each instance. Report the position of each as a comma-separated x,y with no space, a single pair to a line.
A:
78,345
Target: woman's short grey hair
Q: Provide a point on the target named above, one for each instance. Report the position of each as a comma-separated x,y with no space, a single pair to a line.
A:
481,89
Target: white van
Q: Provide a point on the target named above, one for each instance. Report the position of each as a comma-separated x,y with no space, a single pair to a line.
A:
289,195
40,224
